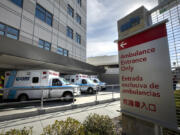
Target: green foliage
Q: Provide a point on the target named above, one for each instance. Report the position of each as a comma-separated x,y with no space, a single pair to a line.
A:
24,131
93,125
98,125
68,127
177,101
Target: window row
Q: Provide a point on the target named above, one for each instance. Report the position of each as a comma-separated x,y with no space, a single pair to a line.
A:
46,16
79,2
13,33
8,31
62,51
70,11
78,38
44,44
40,13
18,2
47,46
69,33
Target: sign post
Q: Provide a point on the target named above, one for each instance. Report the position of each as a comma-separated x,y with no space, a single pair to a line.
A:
146,80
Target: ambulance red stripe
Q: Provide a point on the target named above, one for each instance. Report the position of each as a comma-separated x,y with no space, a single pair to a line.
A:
156,32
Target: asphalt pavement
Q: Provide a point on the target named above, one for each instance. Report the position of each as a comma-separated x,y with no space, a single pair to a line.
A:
41,121
23,110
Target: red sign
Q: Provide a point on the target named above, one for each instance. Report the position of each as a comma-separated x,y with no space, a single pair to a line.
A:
145,76
146,36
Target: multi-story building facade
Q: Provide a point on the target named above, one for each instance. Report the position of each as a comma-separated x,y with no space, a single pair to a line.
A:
54,25
170,10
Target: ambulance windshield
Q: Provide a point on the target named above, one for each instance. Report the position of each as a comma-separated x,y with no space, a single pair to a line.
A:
97,80
64,81
90,81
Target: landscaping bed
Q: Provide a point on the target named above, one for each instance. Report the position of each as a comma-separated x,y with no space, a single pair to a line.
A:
94,124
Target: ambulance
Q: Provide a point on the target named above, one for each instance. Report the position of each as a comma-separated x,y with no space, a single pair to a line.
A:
95,79
28,84
86,84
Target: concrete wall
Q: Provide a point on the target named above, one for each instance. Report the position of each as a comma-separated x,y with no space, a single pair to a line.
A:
112,71
109,78
103,60
32,29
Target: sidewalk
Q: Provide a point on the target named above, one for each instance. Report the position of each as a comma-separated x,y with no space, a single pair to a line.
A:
40,121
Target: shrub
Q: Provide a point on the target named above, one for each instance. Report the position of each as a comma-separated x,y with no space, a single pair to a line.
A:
93,125
68,127
98,125
24,131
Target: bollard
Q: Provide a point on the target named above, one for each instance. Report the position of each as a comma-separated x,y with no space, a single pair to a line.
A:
157,130
73,104
96,95
73,97
112,92
42,96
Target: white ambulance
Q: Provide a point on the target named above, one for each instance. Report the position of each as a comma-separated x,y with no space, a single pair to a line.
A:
25,85
86,84
95,79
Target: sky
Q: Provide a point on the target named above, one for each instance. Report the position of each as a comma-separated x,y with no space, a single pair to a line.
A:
102,17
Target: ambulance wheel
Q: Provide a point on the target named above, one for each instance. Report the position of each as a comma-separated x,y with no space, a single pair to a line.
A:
23,97
90,90
68,96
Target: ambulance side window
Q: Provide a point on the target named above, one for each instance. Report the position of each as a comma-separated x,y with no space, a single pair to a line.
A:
56,82
35,80
72,80
84,81
95,81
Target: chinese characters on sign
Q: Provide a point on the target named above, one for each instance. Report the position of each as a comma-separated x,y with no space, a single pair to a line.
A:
145,76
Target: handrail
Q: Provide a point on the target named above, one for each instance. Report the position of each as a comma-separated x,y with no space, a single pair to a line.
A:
42,99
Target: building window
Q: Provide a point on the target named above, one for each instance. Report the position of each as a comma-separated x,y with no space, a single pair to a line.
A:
65,52
44,44
78,18
62,51
9,31
79,2
69,32
18,2
44,15
78,38
70,10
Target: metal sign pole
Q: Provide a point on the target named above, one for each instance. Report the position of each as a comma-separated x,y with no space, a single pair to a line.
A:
157,130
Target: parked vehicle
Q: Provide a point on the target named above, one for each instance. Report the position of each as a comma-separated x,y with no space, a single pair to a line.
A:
97,81
25,85
86,84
